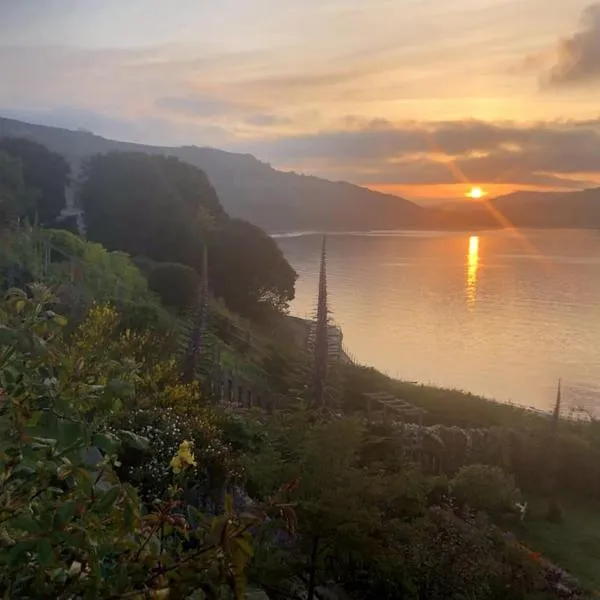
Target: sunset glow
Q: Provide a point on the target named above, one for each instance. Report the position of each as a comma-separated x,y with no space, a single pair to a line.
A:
472,267
476,193
326,88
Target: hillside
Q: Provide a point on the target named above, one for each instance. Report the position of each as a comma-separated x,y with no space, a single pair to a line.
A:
280,201
248,188
539,209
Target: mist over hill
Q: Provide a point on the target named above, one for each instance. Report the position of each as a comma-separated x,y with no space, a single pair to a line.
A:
280,201
248,188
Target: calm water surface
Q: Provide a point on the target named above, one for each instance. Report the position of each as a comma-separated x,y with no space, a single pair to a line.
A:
501,314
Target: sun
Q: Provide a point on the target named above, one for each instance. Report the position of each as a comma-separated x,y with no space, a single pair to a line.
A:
476,193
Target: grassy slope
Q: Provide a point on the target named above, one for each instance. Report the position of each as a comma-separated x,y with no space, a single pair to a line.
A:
573,544
448,407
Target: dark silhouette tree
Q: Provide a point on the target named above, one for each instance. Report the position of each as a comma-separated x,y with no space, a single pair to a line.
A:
16,200
46,172
321,348
248,270
166,210
176,284
197,338
554,511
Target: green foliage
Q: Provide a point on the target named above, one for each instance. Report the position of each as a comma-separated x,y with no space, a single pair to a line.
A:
248,270
148,206
177,285
364,521
485,488
68,526
82,272
165,210
447,557
149,468
45,172
16,199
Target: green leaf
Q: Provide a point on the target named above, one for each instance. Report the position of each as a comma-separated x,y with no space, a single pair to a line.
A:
128,515
27,524
44,442
119,387
107,442
244,545
45,553
69,432
19,550
108,499
134,441
60,320
66,512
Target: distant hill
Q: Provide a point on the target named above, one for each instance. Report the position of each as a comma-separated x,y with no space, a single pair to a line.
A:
250,189
551,209
280,201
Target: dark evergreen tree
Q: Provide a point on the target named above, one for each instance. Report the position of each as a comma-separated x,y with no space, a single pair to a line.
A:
321,348
46,172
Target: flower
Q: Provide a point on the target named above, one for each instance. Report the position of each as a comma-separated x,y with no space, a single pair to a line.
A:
184,458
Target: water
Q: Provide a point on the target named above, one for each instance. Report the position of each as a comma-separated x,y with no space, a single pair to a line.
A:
503,314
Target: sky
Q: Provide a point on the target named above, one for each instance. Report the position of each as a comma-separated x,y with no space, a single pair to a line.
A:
420,98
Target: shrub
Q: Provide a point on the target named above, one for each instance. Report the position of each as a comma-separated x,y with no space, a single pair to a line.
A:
69,527
176,284
485,488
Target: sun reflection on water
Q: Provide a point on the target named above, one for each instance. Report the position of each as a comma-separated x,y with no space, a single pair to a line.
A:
472,267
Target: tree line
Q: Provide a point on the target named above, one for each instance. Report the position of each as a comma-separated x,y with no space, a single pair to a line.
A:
156,209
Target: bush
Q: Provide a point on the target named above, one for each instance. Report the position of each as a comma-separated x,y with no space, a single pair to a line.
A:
70,527
485,488
448,558
176,284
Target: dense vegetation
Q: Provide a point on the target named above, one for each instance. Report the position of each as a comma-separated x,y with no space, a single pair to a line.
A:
166,210
119,478
46,174
280,201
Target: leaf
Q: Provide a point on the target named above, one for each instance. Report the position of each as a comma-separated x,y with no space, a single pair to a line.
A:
45,553
228,504
128,515
244,545
44,442
27,524
107,442
134,441
108,499
69,432
60,320
19,550
66,512
119,387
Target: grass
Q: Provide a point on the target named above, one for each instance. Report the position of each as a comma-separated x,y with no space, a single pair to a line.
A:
443,406
574,544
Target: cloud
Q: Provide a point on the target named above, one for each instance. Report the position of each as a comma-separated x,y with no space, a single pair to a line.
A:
579,55
141,129
552,154
202,105
267,120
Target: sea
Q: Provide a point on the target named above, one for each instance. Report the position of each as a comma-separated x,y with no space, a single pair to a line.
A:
501,314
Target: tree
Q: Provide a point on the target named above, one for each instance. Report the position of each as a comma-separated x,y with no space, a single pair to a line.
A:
46,172
16,200
147,206
248,270
344,509
177,285
70,527
485,488
163,209
321,351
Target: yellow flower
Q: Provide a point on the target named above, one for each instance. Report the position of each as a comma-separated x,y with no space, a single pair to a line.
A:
184,458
